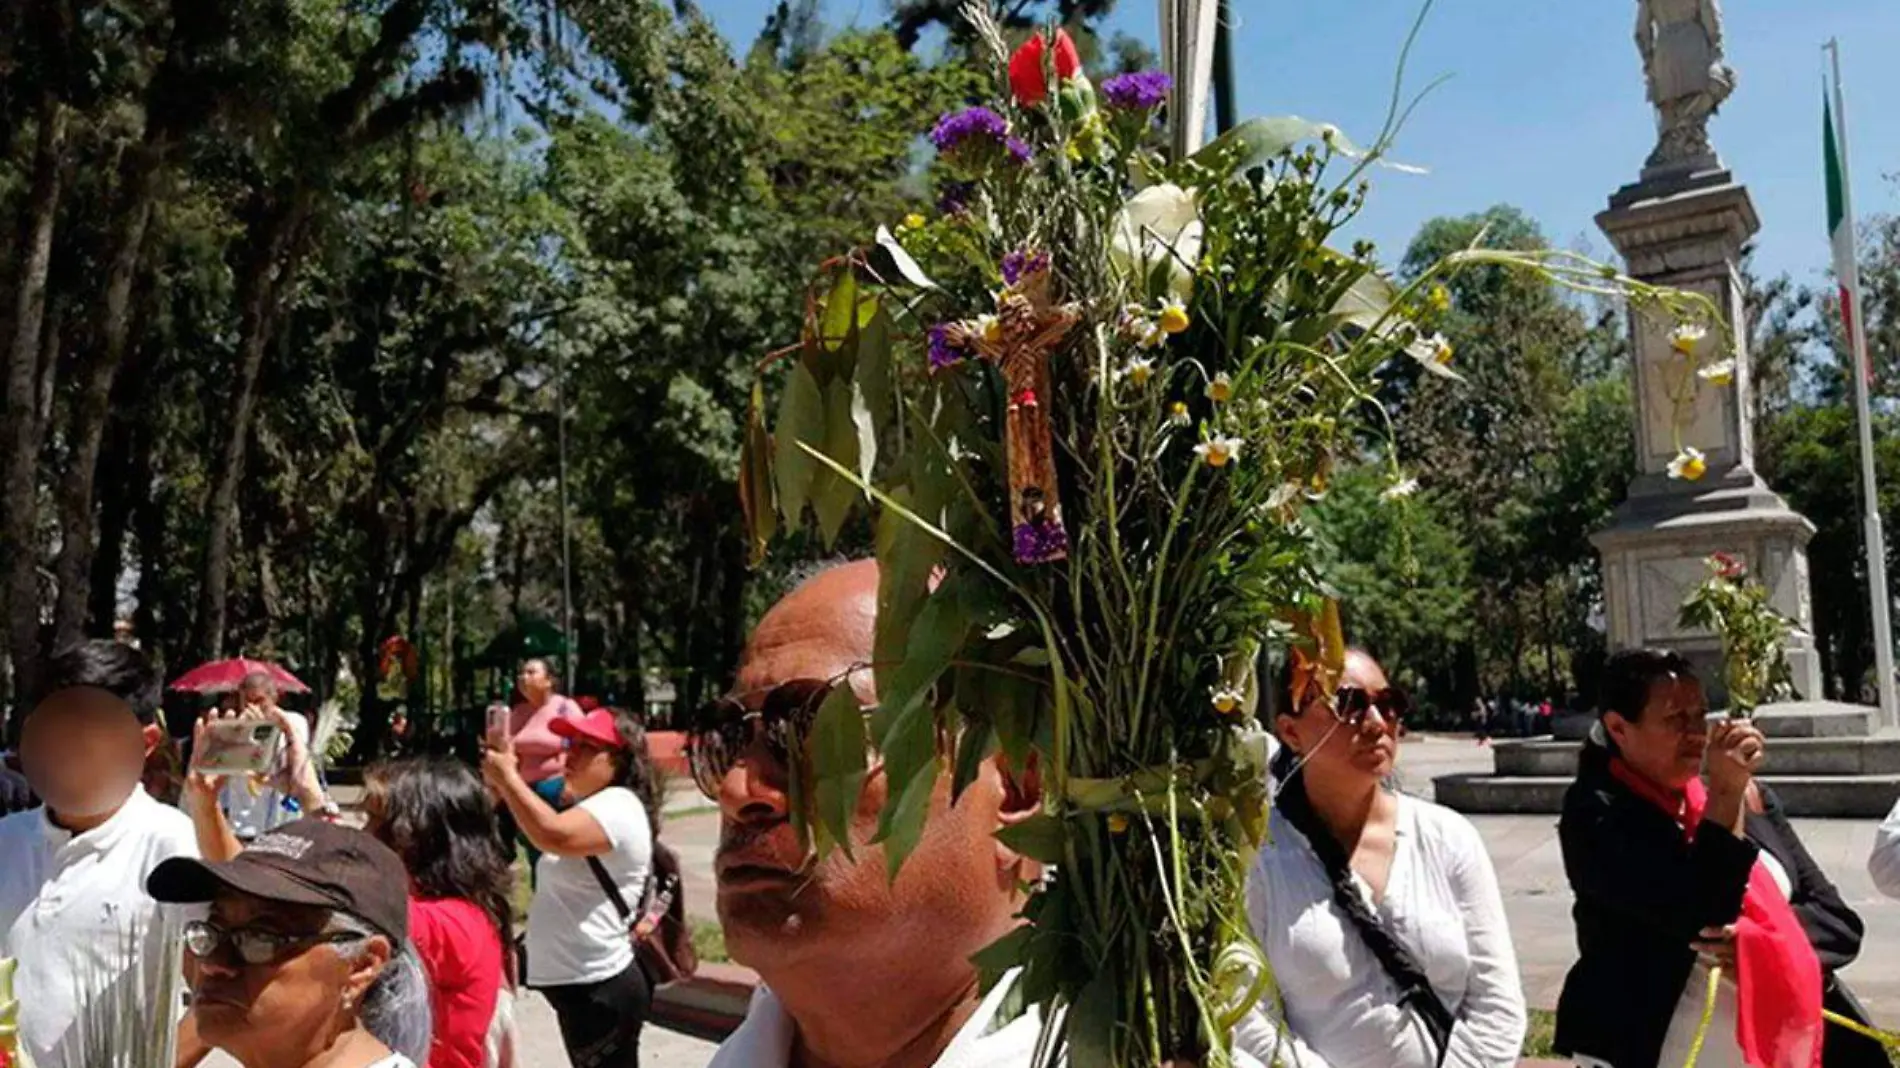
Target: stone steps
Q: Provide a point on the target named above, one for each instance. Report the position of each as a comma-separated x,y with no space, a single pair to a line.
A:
1813,756
1855,796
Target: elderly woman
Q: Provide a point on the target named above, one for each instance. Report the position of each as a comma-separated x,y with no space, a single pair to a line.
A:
596,859
1379,912
1680,871
304,958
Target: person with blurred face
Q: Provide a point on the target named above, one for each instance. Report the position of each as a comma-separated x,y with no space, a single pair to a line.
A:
531,728
1685,866
580,950
857,970
303,958
1380,912
69,869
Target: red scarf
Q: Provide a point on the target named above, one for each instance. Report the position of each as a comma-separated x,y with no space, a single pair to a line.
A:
1777,976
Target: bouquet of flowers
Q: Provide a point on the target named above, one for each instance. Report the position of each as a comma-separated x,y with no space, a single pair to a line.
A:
1754,636
1088,402
11,1055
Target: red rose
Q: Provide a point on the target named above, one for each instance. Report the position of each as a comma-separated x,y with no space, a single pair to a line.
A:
1025,67
1728,566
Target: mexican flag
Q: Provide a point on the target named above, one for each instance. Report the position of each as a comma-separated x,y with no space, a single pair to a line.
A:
1840,229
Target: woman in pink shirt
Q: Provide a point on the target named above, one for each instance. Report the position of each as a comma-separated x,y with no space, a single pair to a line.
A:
530,725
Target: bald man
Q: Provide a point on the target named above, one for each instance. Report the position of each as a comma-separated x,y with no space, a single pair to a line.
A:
859,972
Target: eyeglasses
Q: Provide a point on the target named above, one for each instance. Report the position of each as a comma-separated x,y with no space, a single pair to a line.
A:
253,946
1351,705
726,727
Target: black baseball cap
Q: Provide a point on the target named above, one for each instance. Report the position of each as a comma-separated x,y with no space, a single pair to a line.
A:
309,862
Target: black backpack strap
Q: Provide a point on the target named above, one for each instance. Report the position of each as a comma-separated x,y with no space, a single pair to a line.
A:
613,892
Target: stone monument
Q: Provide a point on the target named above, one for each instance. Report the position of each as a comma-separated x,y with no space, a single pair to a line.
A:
1684,223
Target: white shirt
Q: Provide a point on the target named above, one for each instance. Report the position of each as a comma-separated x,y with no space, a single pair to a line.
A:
251,814
1720,1048
764,1037
1342,1011
1884,863
575,935
74,913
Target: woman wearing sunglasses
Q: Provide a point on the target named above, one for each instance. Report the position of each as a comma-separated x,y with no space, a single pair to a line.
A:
579,953
303,959
1380,912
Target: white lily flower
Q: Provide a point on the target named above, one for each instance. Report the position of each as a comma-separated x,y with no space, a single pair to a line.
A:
1160,225
1400,489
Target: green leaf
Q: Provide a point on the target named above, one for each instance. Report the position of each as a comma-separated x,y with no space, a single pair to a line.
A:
1258,141
755,478
979,741
1007,952
1092,1021
874,369
866,430
838,764
906,557
801,418
840,311
905,827
1041,837
831,495
936,637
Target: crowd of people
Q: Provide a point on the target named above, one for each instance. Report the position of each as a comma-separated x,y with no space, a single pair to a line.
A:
271,929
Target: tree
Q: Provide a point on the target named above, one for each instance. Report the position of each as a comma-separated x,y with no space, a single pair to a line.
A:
1486,445
1403,575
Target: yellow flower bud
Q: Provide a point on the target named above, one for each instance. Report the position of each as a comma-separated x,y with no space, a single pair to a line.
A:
1118,823
1221,389
914,221
1174,318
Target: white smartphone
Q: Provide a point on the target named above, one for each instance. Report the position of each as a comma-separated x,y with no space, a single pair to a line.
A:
1714,718
238,747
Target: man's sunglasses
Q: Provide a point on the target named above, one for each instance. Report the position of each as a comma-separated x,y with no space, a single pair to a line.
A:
781,720
1351,705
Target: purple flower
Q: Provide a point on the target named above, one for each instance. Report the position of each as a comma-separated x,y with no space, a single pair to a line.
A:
955,198
1040,541
942,353
1144,91
957,127
1019,148
1021,263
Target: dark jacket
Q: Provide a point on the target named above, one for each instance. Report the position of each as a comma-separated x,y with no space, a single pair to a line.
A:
15,794
1642,894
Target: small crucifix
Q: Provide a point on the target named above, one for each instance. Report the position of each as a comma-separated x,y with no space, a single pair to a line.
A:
1029,328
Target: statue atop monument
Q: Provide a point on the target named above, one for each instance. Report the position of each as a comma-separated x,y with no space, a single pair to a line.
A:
1681,45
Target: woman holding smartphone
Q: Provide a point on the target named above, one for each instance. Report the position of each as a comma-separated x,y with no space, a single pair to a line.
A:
580,953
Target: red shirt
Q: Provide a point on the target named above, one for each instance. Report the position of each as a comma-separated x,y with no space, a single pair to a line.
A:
461,950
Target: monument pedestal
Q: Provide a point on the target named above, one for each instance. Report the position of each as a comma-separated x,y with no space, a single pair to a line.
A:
1685,227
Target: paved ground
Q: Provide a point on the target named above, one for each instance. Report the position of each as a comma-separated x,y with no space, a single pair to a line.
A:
1524,849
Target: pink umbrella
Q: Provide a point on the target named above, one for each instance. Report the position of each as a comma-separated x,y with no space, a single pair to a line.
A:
224,676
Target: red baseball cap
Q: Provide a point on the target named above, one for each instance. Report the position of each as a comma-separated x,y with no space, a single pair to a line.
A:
596,727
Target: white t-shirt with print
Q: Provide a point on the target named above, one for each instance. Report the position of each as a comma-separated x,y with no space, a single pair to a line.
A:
575,935
74,913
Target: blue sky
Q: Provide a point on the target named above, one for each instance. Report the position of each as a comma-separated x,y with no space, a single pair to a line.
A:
1545,105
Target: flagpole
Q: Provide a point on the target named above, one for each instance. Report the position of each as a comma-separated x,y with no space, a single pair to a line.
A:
1857,341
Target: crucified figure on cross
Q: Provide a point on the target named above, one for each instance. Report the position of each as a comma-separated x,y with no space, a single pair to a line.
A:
1029,328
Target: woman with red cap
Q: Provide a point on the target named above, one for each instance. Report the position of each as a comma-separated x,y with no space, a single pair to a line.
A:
596,857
